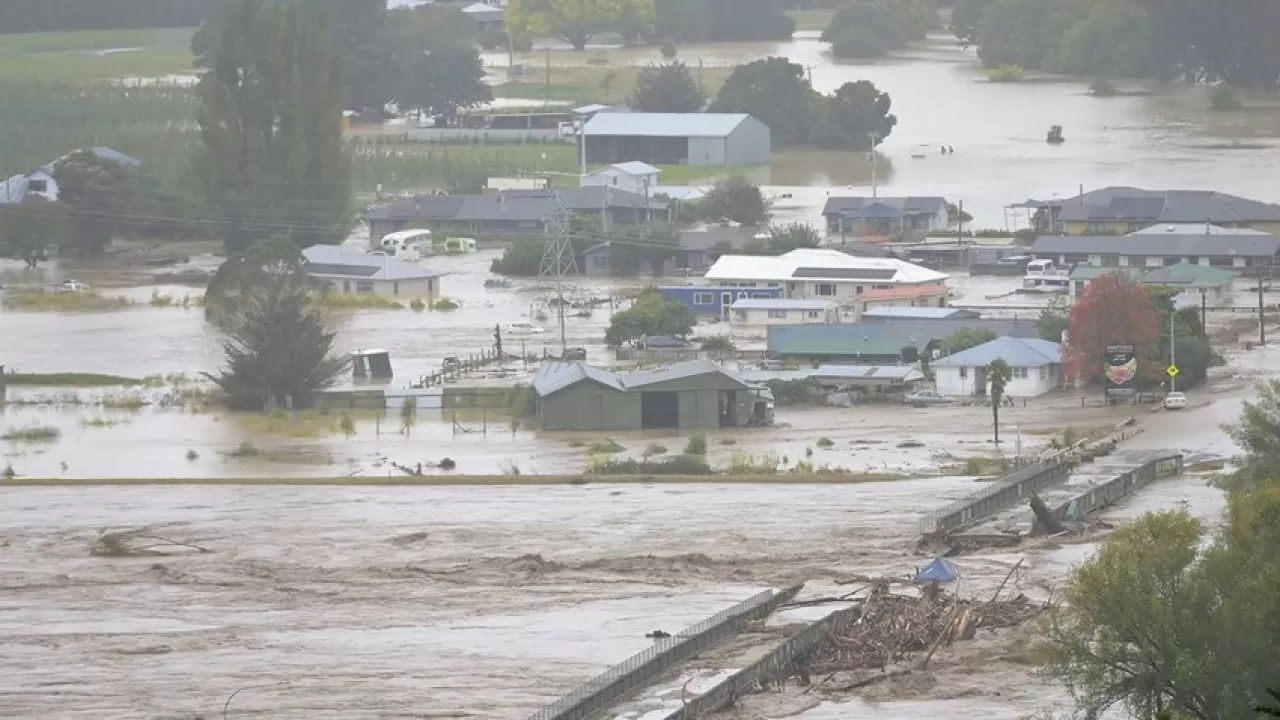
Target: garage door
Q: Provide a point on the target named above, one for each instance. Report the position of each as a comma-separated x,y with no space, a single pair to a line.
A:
659,410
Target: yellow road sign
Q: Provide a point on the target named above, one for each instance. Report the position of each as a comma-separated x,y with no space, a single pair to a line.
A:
1173,371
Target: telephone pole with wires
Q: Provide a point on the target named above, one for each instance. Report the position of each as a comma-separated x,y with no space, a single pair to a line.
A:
558,260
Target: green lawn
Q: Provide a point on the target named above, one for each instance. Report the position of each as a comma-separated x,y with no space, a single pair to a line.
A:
95,55
812,19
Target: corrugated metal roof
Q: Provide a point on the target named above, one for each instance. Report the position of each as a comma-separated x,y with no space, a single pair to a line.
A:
1165,206
876,346
923,313
809,263
634,168
904,205
781,304
1162,245
781,337
554,376
664,124
892,373
1195,229
335,261
678,371
1018,352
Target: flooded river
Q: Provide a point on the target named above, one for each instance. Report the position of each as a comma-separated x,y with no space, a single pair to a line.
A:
487,602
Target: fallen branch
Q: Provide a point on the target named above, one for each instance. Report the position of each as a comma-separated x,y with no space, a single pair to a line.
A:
125,543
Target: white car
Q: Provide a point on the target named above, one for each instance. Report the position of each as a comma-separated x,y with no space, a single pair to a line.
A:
1175,401
73,286
523,328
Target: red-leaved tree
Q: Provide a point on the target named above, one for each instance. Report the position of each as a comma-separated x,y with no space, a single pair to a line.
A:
1113,310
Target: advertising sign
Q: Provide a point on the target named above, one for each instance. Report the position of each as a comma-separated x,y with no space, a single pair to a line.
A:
1121,369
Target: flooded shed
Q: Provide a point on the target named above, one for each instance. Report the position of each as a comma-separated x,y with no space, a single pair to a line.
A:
699,394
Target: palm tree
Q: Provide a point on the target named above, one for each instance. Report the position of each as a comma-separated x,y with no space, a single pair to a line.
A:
998,376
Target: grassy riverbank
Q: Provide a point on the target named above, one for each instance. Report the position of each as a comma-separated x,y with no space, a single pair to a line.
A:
473,480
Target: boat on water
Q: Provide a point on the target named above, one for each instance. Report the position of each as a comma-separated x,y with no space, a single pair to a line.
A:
1043,276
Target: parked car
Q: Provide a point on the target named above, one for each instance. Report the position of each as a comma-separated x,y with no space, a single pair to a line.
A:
524,328
73,286
1175,401
925,398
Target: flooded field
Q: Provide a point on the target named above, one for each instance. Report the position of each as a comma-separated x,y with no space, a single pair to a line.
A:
1167,138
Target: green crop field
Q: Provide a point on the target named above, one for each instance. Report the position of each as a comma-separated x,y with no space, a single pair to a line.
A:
95,55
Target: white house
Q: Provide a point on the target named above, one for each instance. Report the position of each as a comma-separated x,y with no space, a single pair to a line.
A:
41,181
1036,365
857,283
349,271
637,177
782,311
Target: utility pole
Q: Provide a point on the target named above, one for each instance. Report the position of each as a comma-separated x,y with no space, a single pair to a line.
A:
871,155
558,260
1262,319
1173,360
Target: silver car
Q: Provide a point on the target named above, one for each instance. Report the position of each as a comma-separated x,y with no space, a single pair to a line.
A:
925,398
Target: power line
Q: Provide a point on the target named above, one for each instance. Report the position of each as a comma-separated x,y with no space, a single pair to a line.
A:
559,259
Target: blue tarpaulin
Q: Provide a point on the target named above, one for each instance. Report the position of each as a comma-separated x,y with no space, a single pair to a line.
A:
941,569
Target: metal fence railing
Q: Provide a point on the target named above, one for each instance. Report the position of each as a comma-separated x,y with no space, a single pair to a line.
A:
643,667
774,665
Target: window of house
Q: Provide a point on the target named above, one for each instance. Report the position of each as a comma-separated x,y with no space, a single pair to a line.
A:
703,298
395,288
1171,261
602,261
777,314
1136,261
1076,259
38,186
364,286
964,373
857,290
1020,372
1044,372
815,315
1221,261
1110,261
825,289
741,315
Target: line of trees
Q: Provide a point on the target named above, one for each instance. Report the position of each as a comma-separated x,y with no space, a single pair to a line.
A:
1231,40
873,28
653,21
778,93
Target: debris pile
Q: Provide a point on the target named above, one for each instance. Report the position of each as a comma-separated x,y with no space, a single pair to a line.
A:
893,628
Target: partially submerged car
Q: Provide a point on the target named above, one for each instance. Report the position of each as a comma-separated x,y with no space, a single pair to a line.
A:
925,398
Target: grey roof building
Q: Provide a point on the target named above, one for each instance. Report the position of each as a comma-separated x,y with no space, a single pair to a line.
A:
1018,352
891,213
1136,208
677,139
349,271
901,312
1157,249
687,395
881,340
511,213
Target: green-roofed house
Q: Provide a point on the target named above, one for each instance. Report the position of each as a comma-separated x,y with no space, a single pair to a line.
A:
1196,284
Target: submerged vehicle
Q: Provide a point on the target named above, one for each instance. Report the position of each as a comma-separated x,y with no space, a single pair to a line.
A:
1043,277
408,245
1055,135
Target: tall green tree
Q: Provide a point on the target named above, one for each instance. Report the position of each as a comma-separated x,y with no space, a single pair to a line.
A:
577,21
651,315
278,348
359,29
445,80
1162,622
736,199
32,230
855,117
1257,434
97,193
999,374
667,88
965,338
776,92
271,100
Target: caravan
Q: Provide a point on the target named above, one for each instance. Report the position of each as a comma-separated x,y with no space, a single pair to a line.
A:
408,245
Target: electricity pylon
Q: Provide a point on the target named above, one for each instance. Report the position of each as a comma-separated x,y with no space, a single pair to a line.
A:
558,261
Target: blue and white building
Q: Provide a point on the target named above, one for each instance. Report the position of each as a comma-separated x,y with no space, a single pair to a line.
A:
714,302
